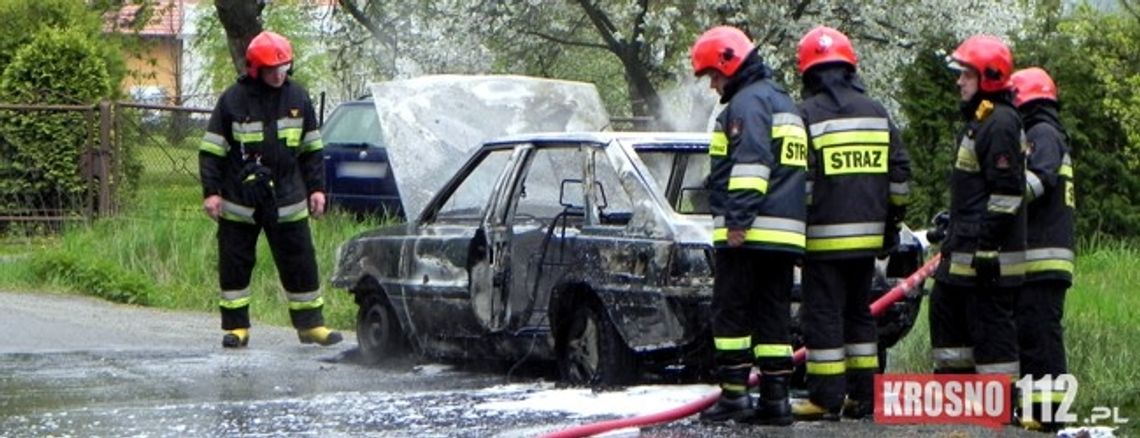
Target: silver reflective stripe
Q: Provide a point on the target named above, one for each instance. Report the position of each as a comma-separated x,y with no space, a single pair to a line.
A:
231,295
846,230
303,296
750,170
825,355
290,122
248,127
217,139
1004,203
311,136
1048,254
851,124
787,119
779,223
1034,184
1005,258
959,357
900,188
1011,368
291,209
769,223
862,349
1066,160
237,209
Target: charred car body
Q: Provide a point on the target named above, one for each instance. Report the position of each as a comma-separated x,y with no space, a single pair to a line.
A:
591,250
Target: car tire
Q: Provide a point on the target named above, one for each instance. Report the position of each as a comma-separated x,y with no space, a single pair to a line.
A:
378,332
593,353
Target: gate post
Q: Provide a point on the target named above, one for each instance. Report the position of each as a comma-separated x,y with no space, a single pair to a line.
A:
103,159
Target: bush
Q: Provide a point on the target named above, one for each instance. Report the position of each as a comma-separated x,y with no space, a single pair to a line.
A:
42,150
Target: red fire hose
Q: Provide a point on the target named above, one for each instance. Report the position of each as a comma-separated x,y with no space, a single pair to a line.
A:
878,307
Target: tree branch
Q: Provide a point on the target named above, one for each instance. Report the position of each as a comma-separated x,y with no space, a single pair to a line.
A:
567,42
362,18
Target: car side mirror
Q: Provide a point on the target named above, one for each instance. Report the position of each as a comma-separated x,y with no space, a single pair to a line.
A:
571,191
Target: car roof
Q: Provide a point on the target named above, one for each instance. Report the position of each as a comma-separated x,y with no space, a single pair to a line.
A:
642,141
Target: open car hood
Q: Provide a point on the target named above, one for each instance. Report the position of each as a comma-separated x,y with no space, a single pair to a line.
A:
432,123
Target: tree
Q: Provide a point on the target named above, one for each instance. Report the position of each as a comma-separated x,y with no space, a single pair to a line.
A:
242,21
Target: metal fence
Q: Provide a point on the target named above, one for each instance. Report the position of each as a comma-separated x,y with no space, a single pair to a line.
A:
117,146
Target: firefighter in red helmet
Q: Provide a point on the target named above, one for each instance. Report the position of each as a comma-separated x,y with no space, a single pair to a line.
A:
983,255
756,183
261,169
858,175
1049,243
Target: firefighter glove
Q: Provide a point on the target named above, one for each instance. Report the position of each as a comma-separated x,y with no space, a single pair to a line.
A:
987,267
890,240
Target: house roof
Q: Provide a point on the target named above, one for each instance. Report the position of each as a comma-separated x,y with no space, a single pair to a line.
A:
164,18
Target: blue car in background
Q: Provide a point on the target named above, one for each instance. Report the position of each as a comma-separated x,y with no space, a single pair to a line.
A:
358,175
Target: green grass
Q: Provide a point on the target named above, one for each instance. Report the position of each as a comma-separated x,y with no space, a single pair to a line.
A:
1102,333
161,251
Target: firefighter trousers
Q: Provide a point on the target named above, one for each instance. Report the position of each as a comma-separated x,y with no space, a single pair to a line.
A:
751,314
972,329
1040,307
839,331
291,244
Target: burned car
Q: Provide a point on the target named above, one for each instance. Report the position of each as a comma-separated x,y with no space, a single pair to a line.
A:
590,250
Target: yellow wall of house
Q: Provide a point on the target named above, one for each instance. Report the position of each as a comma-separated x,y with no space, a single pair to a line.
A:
157,66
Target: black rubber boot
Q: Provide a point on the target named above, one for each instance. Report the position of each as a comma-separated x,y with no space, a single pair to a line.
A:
773,407
863,410
736,407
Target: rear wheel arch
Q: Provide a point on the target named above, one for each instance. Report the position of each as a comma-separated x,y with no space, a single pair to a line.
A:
588,346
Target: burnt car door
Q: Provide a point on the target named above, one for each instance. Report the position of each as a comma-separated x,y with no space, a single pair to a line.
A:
545,214
452,261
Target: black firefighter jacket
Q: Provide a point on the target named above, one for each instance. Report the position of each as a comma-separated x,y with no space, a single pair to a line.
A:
858,168
1050,192
276,127
987,186
757,159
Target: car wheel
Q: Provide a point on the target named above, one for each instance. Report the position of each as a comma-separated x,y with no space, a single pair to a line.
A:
592,352
378,333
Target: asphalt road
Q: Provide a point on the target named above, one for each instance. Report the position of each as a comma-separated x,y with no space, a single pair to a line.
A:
77,366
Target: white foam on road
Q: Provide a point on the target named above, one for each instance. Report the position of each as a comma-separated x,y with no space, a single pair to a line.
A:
583,402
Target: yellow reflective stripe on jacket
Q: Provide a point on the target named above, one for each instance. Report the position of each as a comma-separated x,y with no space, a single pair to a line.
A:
248,132
718,147
900,193
1010,263
237,212
1005,204
290,129
749,177
838,237
772,350
845,160
1066,166
293,212
766,229
312,142
214,144
788,128
967,158
851,138
733,344
1049,259
850,124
